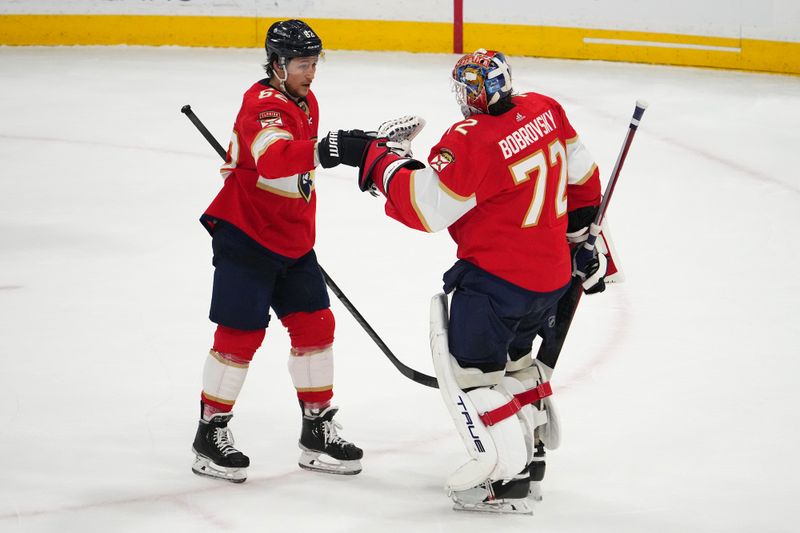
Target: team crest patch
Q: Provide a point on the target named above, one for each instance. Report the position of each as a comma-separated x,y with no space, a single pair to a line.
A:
270,119
305,184
442,159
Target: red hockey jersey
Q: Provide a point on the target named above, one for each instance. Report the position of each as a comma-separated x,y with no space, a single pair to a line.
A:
269,172
503,186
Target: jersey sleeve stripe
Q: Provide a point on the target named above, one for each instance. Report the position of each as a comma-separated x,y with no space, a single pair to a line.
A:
580,163
436,206
265,138
417,210
454,195
585,178
286,186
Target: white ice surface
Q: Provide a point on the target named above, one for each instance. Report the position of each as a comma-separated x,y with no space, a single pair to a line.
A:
678,389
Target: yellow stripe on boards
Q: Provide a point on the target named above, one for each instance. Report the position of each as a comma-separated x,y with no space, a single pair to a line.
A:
242,32
377,35
437,37
127,29
659,48
771,56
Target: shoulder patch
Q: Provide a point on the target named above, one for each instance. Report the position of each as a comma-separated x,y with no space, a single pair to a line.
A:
270,119
442,159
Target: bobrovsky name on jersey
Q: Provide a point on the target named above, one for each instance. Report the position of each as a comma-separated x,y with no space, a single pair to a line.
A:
532,131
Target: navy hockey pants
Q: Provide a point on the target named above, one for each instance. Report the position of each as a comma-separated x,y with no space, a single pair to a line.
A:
491,318
250,279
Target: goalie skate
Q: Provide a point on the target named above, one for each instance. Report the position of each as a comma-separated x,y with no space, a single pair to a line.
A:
323,450
497,497
537,470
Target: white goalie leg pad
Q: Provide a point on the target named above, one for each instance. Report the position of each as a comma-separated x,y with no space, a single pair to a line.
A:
532,386
530,416
506,433
550,433
497,450
526,415
223,377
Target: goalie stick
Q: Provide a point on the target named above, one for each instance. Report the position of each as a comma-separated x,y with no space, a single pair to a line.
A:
548,352
410,373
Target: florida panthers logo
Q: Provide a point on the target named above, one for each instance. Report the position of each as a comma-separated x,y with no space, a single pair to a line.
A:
442,159
305,184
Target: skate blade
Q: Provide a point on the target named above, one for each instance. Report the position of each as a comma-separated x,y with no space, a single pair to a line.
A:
320,462
206,468
535,493
495,506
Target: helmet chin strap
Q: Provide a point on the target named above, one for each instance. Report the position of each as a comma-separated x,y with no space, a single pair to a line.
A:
282,62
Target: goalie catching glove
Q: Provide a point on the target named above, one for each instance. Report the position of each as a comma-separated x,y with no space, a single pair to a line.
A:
401,130
389,153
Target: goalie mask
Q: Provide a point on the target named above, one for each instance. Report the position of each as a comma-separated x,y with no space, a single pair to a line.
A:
480,80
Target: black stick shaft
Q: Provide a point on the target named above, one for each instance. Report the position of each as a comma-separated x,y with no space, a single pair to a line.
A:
414,375
419,377
549,351
187,110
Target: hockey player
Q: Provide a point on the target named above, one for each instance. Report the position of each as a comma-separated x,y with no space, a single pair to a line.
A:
509,182
263,226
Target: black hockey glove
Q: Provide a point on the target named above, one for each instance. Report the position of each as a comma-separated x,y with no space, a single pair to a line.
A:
347,147
579,219
590,267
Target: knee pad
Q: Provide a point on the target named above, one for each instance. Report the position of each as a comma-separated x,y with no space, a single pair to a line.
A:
237,342
484,416
309,331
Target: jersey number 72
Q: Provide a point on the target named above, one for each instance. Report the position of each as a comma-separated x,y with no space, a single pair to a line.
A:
541,163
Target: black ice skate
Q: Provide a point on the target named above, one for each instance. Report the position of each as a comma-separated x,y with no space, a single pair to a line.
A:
323,449
216,456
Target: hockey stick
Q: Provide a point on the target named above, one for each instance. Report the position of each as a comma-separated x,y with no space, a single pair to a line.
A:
549,351
410,373
187,110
